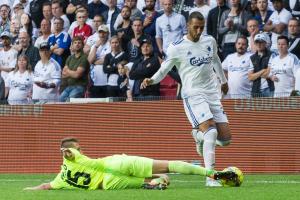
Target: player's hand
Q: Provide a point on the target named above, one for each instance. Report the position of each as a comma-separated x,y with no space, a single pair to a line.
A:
224,88
29,188
67,153
146,82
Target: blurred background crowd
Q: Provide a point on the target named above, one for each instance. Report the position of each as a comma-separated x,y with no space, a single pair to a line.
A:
54,51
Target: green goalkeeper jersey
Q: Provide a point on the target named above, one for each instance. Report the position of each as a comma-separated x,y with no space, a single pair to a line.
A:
82,172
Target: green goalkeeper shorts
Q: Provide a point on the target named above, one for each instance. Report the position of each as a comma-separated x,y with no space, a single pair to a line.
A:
122,171
118,182
128,165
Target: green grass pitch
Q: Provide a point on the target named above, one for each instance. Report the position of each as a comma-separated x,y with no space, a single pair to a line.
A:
182,187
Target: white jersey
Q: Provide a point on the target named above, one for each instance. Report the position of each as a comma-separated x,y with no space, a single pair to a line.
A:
285,70
97,74
237,67
8,60
20,87
48,73
196,62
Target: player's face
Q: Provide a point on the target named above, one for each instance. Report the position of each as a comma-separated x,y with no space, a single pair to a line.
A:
241,46
76,146
282,46
195,29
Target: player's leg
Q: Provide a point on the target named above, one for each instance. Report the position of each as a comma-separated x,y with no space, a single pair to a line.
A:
199,114
224,134
163,166
197,110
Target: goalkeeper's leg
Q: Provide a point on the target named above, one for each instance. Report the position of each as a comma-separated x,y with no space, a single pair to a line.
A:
161,166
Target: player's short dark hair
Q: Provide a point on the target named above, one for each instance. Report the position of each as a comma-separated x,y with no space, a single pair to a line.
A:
283,37
196,15
68,142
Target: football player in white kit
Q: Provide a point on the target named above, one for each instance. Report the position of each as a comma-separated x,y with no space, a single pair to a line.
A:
196,59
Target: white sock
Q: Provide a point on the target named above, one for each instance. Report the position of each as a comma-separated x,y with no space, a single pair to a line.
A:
210,137
200,135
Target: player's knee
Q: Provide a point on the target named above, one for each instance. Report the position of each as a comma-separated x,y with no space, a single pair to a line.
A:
223,143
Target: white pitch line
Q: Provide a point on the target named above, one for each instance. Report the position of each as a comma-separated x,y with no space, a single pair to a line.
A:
262,181
172,180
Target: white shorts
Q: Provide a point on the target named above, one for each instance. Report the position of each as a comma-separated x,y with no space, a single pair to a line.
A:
201,108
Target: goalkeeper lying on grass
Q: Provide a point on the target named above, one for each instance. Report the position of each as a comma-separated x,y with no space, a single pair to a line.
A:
118,171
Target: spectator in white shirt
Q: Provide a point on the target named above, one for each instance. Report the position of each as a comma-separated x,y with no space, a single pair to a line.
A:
283,68
236,66
18,85
8,55
277,23
47,77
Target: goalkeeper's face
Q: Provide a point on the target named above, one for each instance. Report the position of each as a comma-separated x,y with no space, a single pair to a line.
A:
76,146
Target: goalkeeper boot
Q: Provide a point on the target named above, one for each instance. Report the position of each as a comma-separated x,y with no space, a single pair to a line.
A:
198,137
225,175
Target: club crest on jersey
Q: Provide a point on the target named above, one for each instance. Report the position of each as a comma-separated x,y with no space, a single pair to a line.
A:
198,61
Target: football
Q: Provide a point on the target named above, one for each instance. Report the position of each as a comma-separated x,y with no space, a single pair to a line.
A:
234,183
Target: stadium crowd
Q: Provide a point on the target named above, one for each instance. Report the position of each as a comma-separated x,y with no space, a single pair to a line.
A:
51,51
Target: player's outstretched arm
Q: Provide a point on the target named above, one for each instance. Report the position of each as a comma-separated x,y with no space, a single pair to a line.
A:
43,186
146,82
